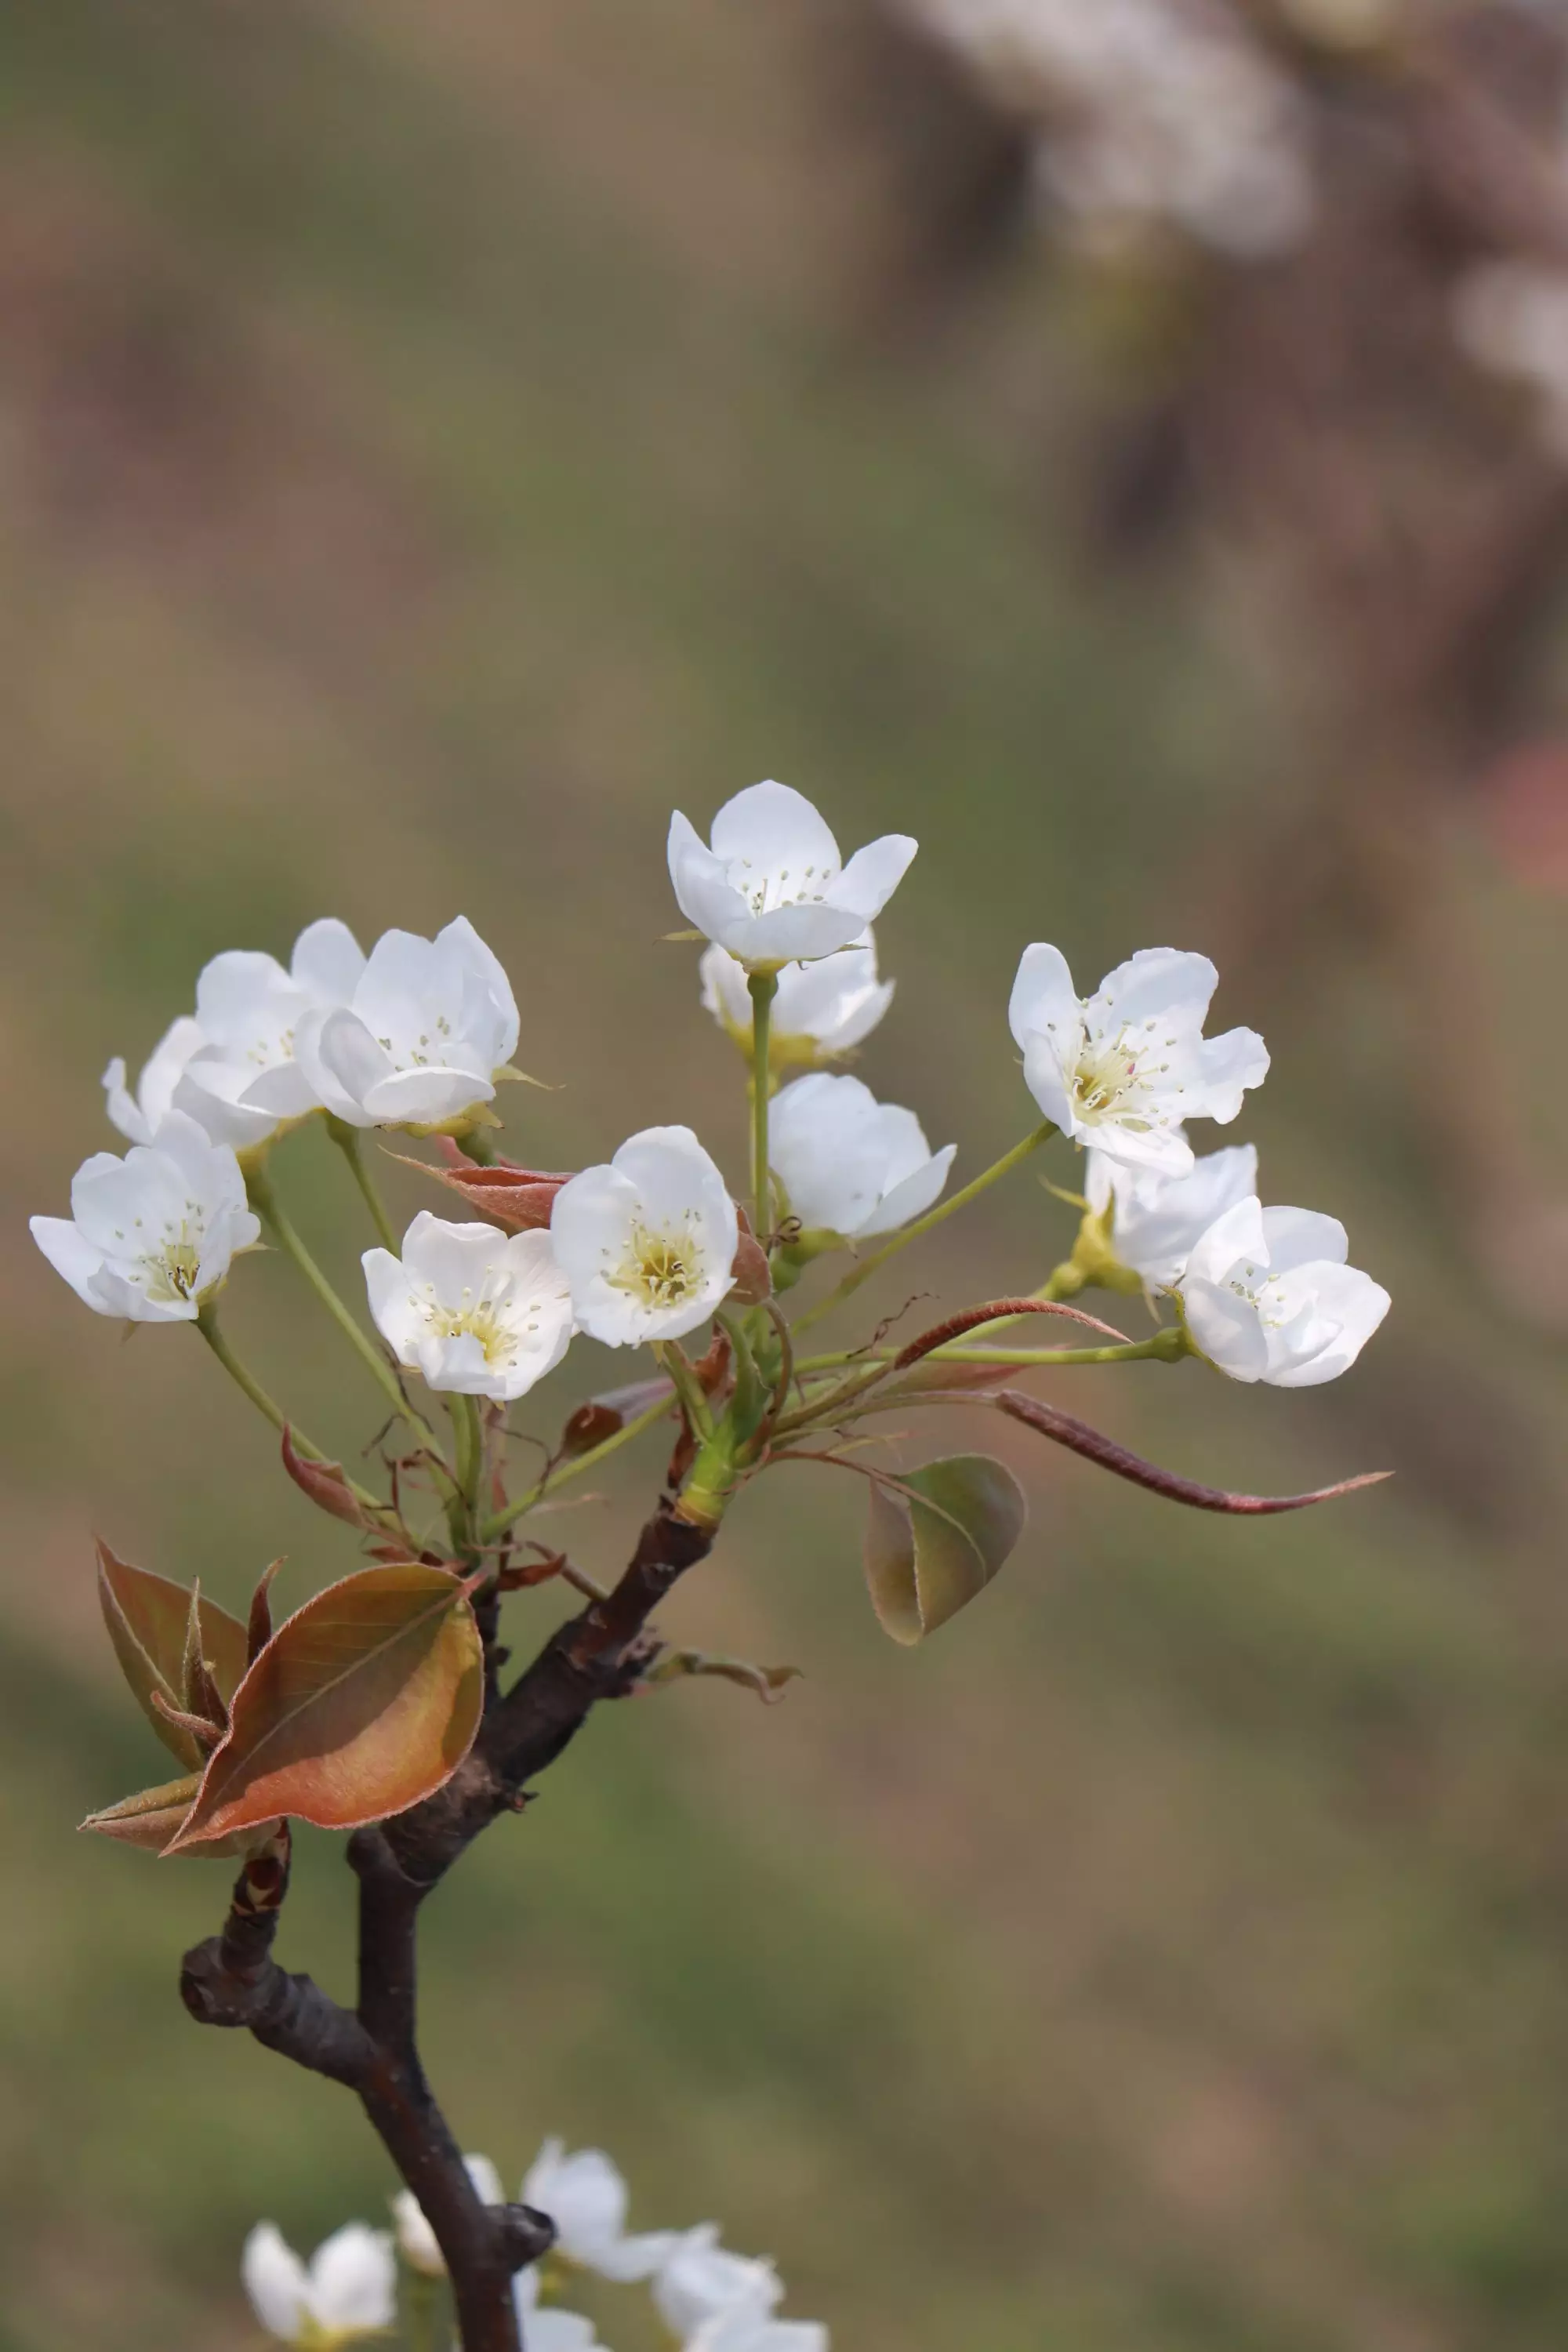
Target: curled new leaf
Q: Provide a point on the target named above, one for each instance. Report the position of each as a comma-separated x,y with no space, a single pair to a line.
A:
518,1198
998,1310
604,1416
363,1702
1049,1421
148,1620
151,1818
936,1537
326,1483
769,1683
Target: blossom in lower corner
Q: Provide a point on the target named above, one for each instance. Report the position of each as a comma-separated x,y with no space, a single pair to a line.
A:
848,1164
422,1038
771,889
245,1077
647,1242
153,1234
701,2282
1123,1068
347,2290
1151,1223
416,2237
474,1311
820,1010
1268,1296
585,2197
547,2329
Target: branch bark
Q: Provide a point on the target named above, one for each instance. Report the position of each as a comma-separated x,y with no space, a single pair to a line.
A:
233,1981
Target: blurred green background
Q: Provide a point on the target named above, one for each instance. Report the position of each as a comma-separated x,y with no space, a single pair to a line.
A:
433,444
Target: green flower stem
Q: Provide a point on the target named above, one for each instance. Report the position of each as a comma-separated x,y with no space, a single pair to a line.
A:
1166,1347
269,1208
496,1527
350,1143
763,986
207,1325
677,1369
934,1217
469,1461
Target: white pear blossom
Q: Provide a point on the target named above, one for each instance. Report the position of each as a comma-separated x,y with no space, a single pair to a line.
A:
1267,1297
348,2290
750,2330
849,1164
1125,1068
416,2237
151,1235
821,1010
476,1311
648,1243
585,2197
550,2330
771,889
244,1078
1156,1219
428,1027
139,1115
701,2281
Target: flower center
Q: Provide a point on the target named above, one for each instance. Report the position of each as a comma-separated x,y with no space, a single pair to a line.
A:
166,1270
1116,1077
662,1269
418,1052
476,1318
806,887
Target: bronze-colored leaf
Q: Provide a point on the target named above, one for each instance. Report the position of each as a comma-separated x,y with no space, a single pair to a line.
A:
518,1198
150,1819
603,1416
769,1683
753,1279
1049,1421
148,1618
326,1483
936,1537
362,1702
258,1630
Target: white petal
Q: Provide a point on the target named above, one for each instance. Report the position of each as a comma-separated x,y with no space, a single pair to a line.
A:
774,827
1237,1235
353,2279
702,2278
1228,1328
1348,1307
1159,1220
1228,1067
461,938
426,1098
274,2281
872,875
242,996
792,933
328,963
351,1062
1044,1002
392,1307
71,1255
1160,984
583,2195
1301,1237
911,1196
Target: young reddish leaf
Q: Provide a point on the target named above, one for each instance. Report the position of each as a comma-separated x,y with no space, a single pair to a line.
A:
602,1416
150,1820
518,1198
148,1617
936,1537
754,1279
207,1730
769,1683
259,1631
363,1702
997,1310
326,1483
1049,1421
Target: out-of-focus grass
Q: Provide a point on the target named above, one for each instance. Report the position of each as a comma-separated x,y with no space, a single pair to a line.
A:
427,455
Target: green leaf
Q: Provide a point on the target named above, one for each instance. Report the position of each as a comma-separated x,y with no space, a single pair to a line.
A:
148,1618
362,1702
936,1537
151,1818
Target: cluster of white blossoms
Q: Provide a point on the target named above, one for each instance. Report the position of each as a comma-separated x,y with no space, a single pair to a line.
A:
707,2299
644,1248
1151,111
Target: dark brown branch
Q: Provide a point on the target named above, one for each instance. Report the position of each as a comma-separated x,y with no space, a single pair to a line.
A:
232,1980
